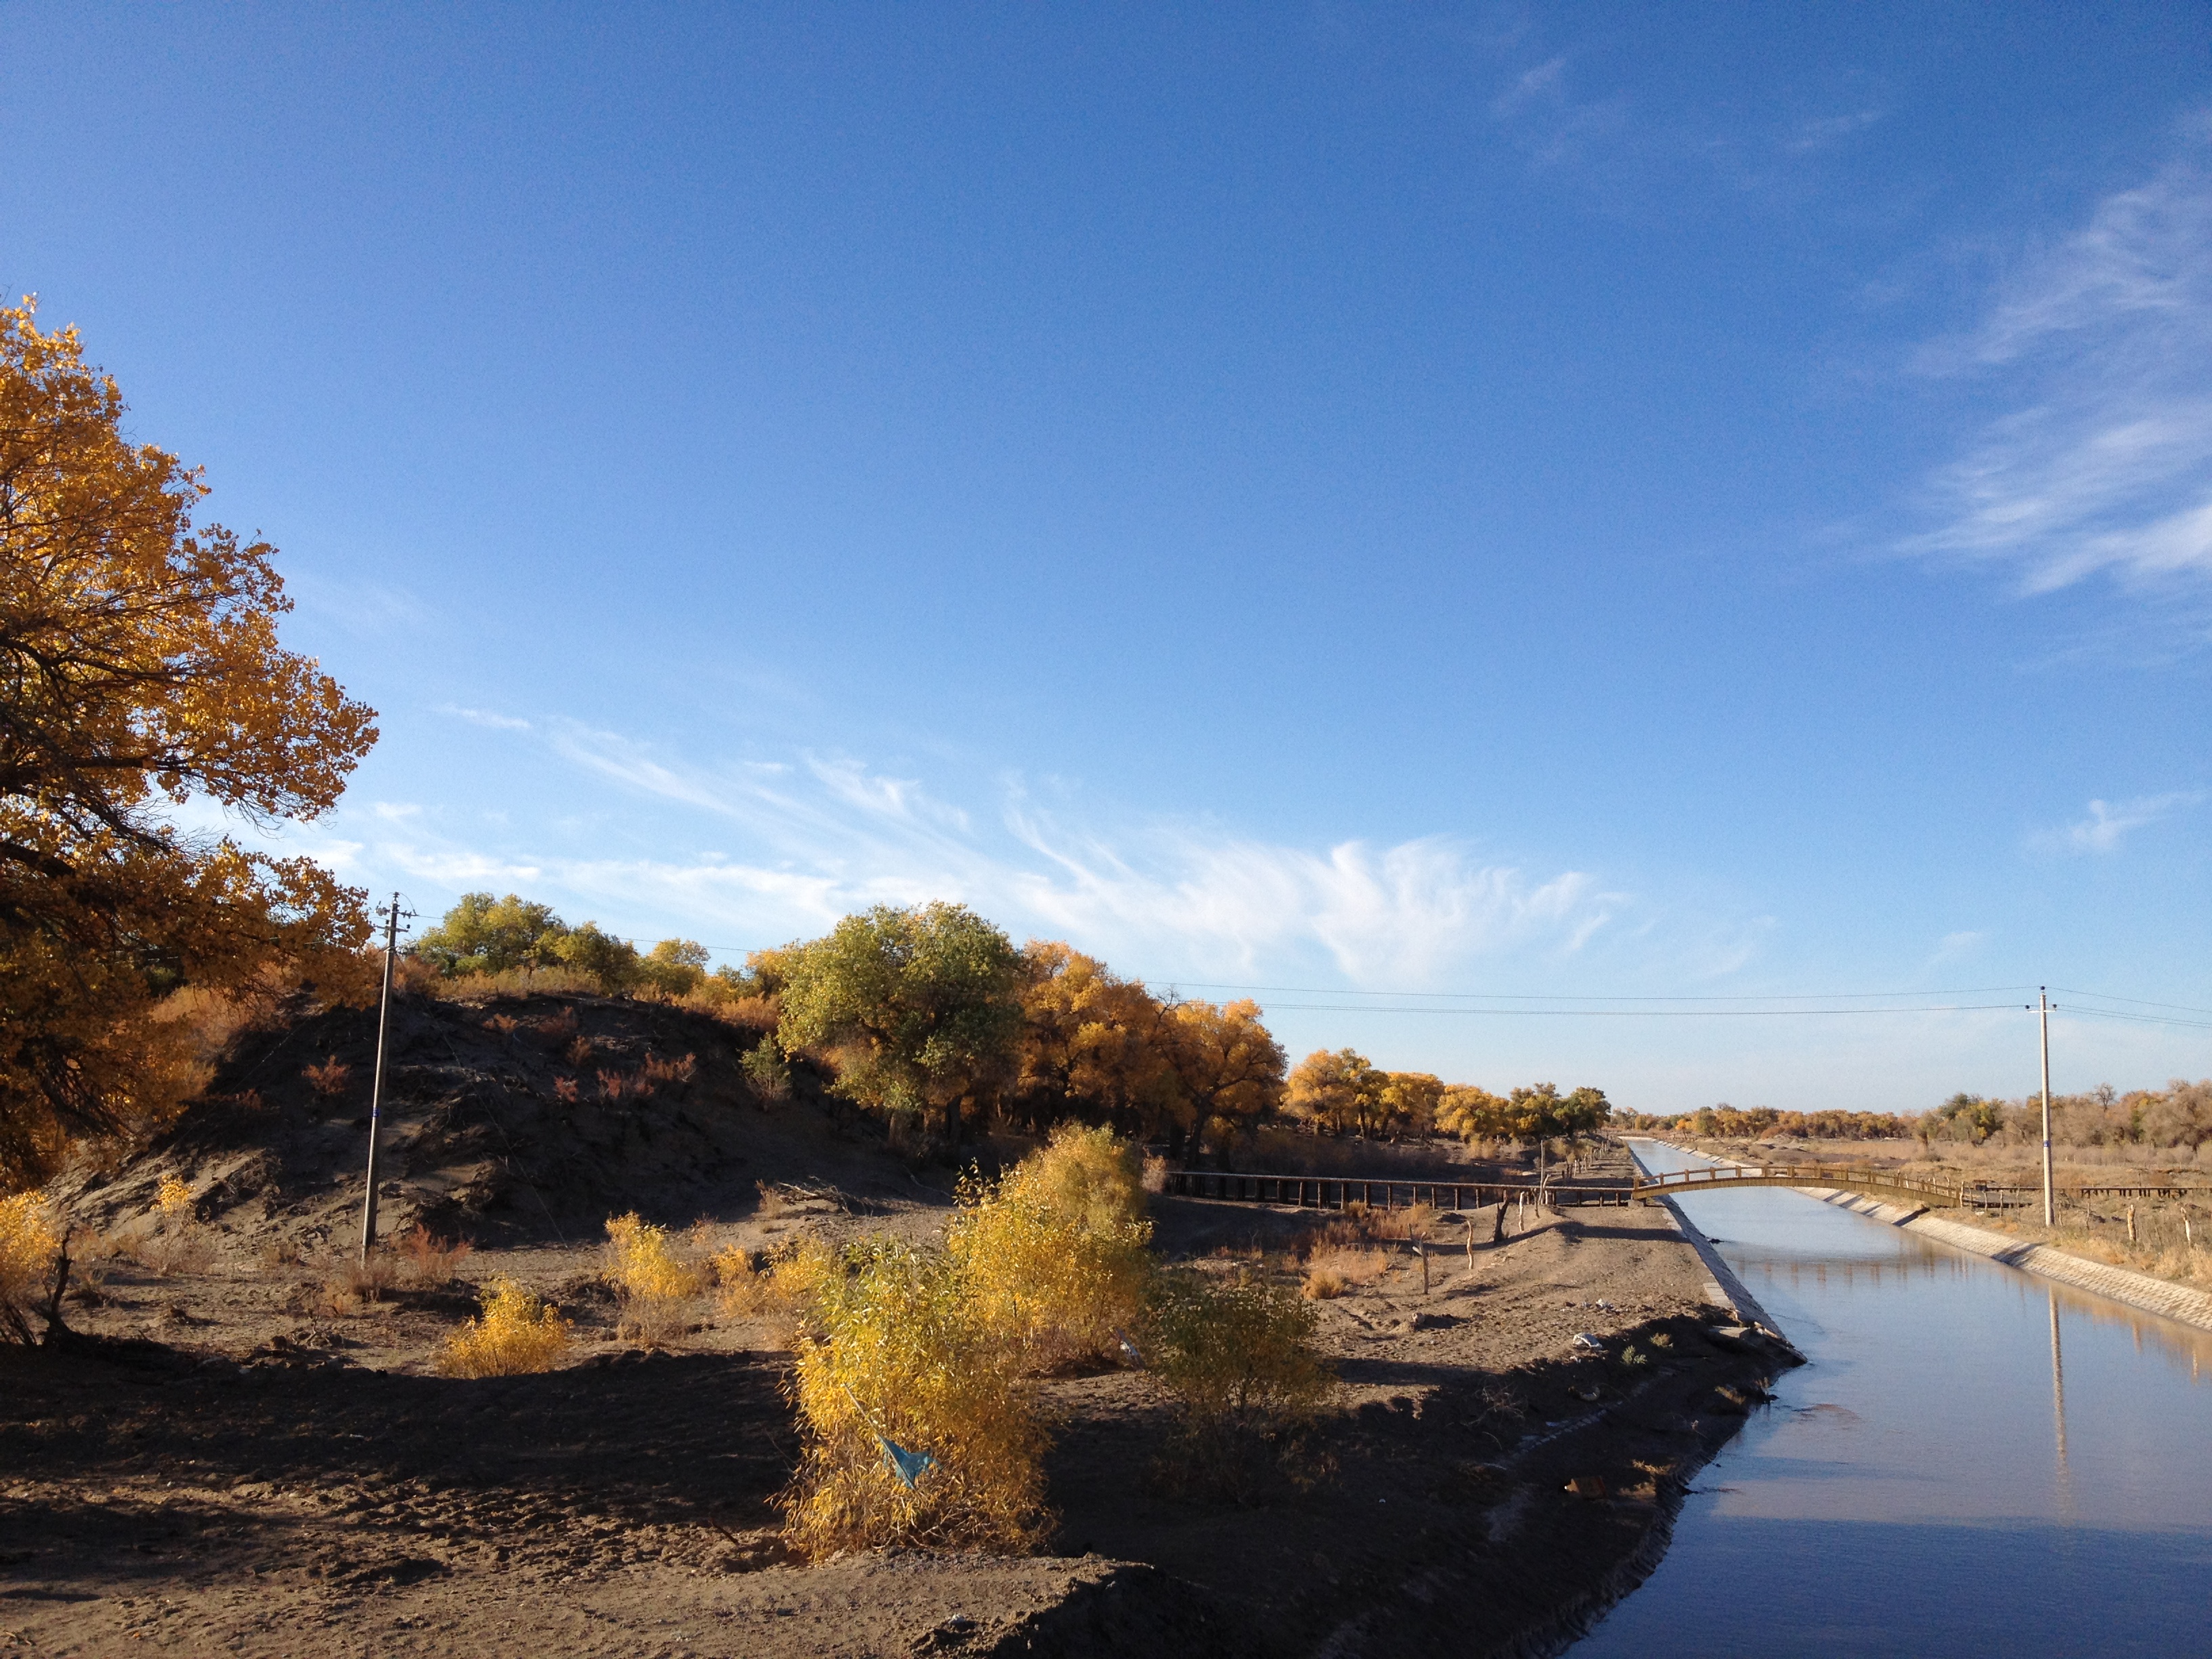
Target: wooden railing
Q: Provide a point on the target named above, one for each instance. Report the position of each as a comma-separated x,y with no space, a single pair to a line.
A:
1861,1178
1334,1192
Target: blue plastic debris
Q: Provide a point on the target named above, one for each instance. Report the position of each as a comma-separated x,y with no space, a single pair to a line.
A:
908,1465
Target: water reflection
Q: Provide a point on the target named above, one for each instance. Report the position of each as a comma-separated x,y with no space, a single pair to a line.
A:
2059,1412
1915,1489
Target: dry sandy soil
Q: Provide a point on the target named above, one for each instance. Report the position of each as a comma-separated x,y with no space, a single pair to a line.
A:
240,1461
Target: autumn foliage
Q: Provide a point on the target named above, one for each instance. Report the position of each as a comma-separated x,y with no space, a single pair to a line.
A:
140,669
514,1335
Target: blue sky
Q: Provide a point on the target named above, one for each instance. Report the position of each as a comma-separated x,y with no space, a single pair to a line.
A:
1592,501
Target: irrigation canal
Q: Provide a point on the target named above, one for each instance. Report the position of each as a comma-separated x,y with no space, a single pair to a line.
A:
1977,1461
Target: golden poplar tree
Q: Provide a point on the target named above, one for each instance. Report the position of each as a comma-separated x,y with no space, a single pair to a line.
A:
139,669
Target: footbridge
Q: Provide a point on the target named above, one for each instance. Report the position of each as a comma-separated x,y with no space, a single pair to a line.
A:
1874,1181
1335,1192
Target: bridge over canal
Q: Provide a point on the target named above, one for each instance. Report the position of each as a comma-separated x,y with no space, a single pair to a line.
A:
1335,1192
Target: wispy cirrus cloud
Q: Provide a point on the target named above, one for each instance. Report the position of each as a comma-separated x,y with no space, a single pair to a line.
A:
1546,120
1826,131
2110,822
2103,346
484,717
824,835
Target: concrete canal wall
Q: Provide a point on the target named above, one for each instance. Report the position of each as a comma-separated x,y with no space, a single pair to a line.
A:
2121,1284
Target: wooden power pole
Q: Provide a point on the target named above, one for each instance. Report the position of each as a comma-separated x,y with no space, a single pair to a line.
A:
376,1086
2050,1196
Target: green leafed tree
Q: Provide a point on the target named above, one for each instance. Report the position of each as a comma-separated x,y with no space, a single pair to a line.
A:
917,1009
486,935
675,967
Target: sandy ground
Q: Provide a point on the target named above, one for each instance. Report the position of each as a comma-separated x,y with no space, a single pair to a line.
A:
246,1458
252,1481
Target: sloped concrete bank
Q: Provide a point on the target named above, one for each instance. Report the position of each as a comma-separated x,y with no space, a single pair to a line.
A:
1724,1288
2131,1289
2121,1284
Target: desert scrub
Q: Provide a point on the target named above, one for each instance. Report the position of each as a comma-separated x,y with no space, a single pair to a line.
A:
177,1244
1091,1176
1053,1257
657,1287
1333,1269
516,1335
746,1286
1239,1358
918,1433
28,1246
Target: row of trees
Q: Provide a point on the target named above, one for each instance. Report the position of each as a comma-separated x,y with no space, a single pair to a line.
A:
486,937
932,1011
1341,1092
1733,1123
2178,1116
932,1014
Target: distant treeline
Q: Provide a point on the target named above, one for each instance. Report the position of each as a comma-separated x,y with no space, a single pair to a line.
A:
2179,1115
930,1016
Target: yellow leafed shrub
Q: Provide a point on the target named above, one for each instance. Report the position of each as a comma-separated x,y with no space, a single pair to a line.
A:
1055,1289
890,1351
656,1284
1091,1176
1240,1358
174,1200
27,1244
517,1335
745,1289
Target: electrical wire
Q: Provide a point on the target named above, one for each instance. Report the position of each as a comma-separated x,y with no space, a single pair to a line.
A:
1641,1013
2104,996
1521,996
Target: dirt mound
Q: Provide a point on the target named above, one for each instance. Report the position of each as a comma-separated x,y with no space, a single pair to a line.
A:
515,1121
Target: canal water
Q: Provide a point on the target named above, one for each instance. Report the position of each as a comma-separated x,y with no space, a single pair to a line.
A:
1975,1462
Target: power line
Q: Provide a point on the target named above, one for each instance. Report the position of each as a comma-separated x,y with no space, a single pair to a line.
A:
2136,1019
1642,1014
2104,996
1532,996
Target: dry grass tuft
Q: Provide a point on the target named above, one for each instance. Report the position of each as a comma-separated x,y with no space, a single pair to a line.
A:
1323,1285
354,1284
430,1261
328,1080
656,1073
516,1335
1346,1265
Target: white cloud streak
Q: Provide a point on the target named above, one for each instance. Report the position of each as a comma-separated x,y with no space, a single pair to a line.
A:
832,835
2109,822
2104,348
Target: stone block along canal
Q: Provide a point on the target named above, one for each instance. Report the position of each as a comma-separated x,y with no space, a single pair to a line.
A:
1975,1462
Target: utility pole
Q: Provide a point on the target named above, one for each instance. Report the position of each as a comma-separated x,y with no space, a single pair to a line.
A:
376,1086
2050,1196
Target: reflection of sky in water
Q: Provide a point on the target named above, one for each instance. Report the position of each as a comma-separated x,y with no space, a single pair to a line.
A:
1970,1443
